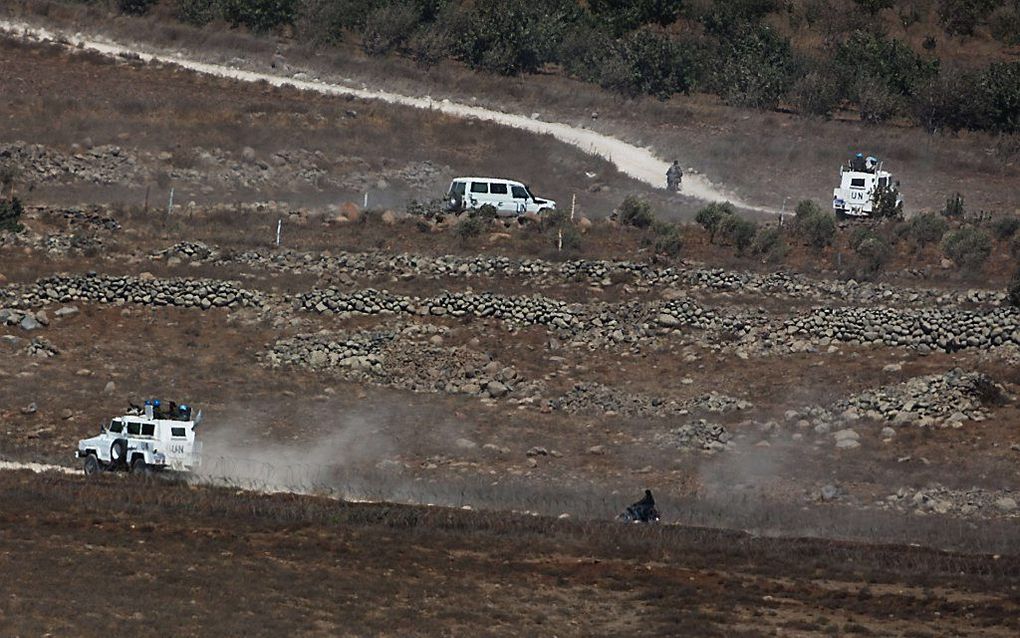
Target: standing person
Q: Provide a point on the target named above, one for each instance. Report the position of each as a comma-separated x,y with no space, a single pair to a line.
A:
674,176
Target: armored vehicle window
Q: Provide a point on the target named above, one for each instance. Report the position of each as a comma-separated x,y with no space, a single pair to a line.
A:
497,189
857,183
134,427
116,427
177,433
519,192
479,187
148,429
883,181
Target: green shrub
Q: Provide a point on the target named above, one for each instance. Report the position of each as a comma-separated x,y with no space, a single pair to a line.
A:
135,7
622,16
873,252
647,62
946,102
11,211
197,12
1014,246
1005,24
813,225
636,212
927,228
1013,289
1006,227
770,244
738,232
470,227
969,247
954,206
389,27
485,211
757,68
815,93
259,15
961,17
668,240
869,59
885,203
998,97
710,217
876,102
570,237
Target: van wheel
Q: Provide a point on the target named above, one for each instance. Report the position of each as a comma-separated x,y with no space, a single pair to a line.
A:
91,465
140,467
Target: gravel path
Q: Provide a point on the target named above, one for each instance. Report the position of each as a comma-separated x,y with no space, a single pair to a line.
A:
636,162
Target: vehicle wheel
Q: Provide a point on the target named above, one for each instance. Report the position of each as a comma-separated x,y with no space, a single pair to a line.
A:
118,452
455,204
140,467
91,465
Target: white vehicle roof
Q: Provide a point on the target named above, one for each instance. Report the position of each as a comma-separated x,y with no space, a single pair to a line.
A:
498,180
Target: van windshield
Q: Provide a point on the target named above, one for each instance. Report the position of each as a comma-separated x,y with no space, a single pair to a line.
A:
519,192
457,188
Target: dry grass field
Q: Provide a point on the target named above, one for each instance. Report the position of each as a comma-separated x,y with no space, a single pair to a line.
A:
467,482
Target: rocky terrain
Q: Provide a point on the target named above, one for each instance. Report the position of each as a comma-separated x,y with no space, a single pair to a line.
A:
830,456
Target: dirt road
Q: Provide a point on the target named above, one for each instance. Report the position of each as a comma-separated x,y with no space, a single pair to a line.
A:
632,160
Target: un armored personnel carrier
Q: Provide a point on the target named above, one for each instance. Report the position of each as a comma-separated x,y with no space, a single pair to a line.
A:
145,440
859,179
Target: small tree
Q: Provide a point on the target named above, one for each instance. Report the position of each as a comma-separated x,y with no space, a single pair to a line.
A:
954,206
815,226
737,231
886,203
710,217
927,228
872,252
1013,289
1006,226
636,212
10,215
969,247
469,227
668,240
769,244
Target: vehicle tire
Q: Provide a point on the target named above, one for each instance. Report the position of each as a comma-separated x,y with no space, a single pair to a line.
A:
140,467
455,204
118,453
91,465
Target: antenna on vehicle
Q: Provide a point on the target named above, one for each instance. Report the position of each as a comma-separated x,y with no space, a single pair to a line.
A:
198,419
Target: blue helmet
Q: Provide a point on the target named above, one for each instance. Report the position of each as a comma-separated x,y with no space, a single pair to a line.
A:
156,403
860,155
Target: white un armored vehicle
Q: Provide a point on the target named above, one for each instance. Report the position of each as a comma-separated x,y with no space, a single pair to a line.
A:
854,197
148,439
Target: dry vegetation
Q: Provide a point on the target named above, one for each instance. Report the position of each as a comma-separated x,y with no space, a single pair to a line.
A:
118,555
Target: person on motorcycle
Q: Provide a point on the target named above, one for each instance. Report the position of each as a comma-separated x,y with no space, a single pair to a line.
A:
674,176
644,510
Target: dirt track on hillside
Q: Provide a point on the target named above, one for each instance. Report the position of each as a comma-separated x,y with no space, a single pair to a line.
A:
634,161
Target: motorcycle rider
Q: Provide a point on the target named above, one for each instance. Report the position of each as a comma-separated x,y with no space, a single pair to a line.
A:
644,510
674,176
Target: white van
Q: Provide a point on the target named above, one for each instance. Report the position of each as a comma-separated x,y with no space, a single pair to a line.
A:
509,198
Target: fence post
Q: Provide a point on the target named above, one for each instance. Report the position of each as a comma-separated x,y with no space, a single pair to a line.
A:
279,226
573,206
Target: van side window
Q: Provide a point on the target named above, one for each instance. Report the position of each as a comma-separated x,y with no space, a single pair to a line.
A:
497,189
177,433
883,181
479,187
116,427
857,183
134,428
519,192
148,429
